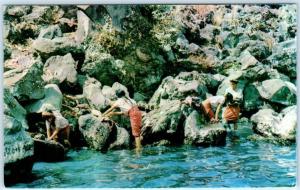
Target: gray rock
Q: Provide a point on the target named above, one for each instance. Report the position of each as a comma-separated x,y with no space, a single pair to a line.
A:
117,14
13,109
230,39
252,99
122,139
57,46
52,100
95,132
26,84
162,123
280,126
247,60
17,11
93,93
103,69
278,91
50,32
259,72
59,69
84,26
196,133
186,83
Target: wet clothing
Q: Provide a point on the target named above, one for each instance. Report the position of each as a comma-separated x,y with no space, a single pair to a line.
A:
231,113
128,106
135,116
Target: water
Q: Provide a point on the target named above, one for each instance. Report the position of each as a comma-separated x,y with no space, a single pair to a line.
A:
241,163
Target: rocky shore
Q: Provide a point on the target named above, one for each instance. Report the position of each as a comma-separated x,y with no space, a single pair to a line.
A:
74,59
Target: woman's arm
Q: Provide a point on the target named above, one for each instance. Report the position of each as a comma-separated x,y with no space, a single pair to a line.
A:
109,110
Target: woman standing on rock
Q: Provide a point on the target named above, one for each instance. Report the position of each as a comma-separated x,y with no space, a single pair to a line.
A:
129,108
56,126
232,110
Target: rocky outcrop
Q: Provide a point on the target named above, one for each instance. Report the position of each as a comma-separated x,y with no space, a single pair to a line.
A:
179,87
278,91
58,69
281,126
48,151
25,84
200,134
95,132
52,100
18,145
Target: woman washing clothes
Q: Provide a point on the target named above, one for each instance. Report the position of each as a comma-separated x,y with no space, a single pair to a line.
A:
232,101
128,108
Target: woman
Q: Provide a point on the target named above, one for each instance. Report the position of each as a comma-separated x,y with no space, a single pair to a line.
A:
57,126
129,108
232,110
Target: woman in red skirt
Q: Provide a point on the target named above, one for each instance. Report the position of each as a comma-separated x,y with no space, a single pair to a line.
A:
129,108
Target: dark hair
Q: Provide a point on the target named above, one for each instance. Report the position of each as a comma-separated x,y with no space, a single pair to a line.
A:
120,93
228,98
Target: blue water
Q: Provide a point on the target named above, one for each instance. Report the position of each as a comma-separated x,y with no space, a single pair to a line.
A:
241,163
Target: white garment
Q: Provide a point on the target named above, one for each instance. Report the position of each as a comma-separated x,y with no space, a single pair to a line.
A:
216,100
236,94
125,104
60,122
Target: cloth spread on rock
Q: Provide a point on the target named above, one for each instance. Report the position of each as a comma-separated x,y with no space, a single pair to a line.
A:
60,122
135,116
231,113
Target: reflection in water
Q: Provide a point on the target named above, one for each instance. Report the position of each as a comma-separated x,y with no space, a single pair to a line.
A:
240,163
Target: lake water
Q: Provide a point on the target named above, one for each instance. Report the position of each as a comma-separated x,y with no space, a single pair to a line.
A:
240,163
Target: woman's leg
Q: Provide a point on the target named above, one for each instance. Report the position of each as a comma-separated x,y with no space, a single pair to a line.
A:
138,144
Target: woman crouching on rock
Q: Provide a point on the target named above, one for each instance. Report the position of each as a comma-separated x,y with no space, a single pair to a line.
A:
129,108
57,127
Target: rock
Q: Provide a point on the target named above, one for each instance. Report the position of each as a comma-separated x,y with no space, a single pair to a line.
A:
259,72
21,62
95,132
50,32
163,123
185,84
196,133
48,151
52,100
17,11
278,91
279,126
285,62
25,84
118,13
103,69
264,120
247,60
18,145
84,26
93,93
57,46
230,39
59,69
13,109
252,99
122,139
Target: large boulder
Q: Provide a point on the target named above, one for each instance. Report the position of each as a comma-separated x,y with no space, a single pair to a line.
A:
95,132
26,84
252,100
18,145
281,126
278,91
59,69
57,46
122,139
52,100
93,93
48,151
84,26
199,134
162,123
185,84
50,32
